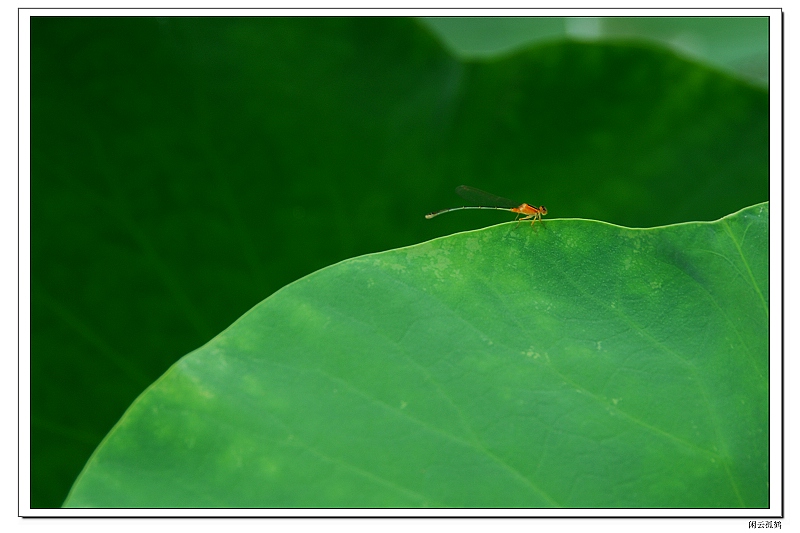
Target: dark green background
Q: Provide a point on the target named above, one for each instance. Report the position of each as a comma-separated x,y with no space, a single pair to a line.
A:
184,169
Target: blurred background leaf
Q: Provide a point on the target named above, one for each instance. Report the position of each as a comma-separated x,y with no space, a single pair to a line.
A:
739,45
184,169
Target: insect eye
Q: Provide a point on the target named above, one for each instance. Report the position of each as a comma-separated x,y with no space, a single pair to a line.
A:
543,209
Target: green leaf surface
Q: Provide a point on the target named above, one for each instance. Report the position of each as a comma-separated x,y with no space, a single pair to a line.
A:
573,364
184,169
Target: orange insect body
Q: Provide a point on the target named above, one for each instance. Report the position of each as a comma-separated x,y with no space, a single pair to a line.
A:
534,213
490,201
